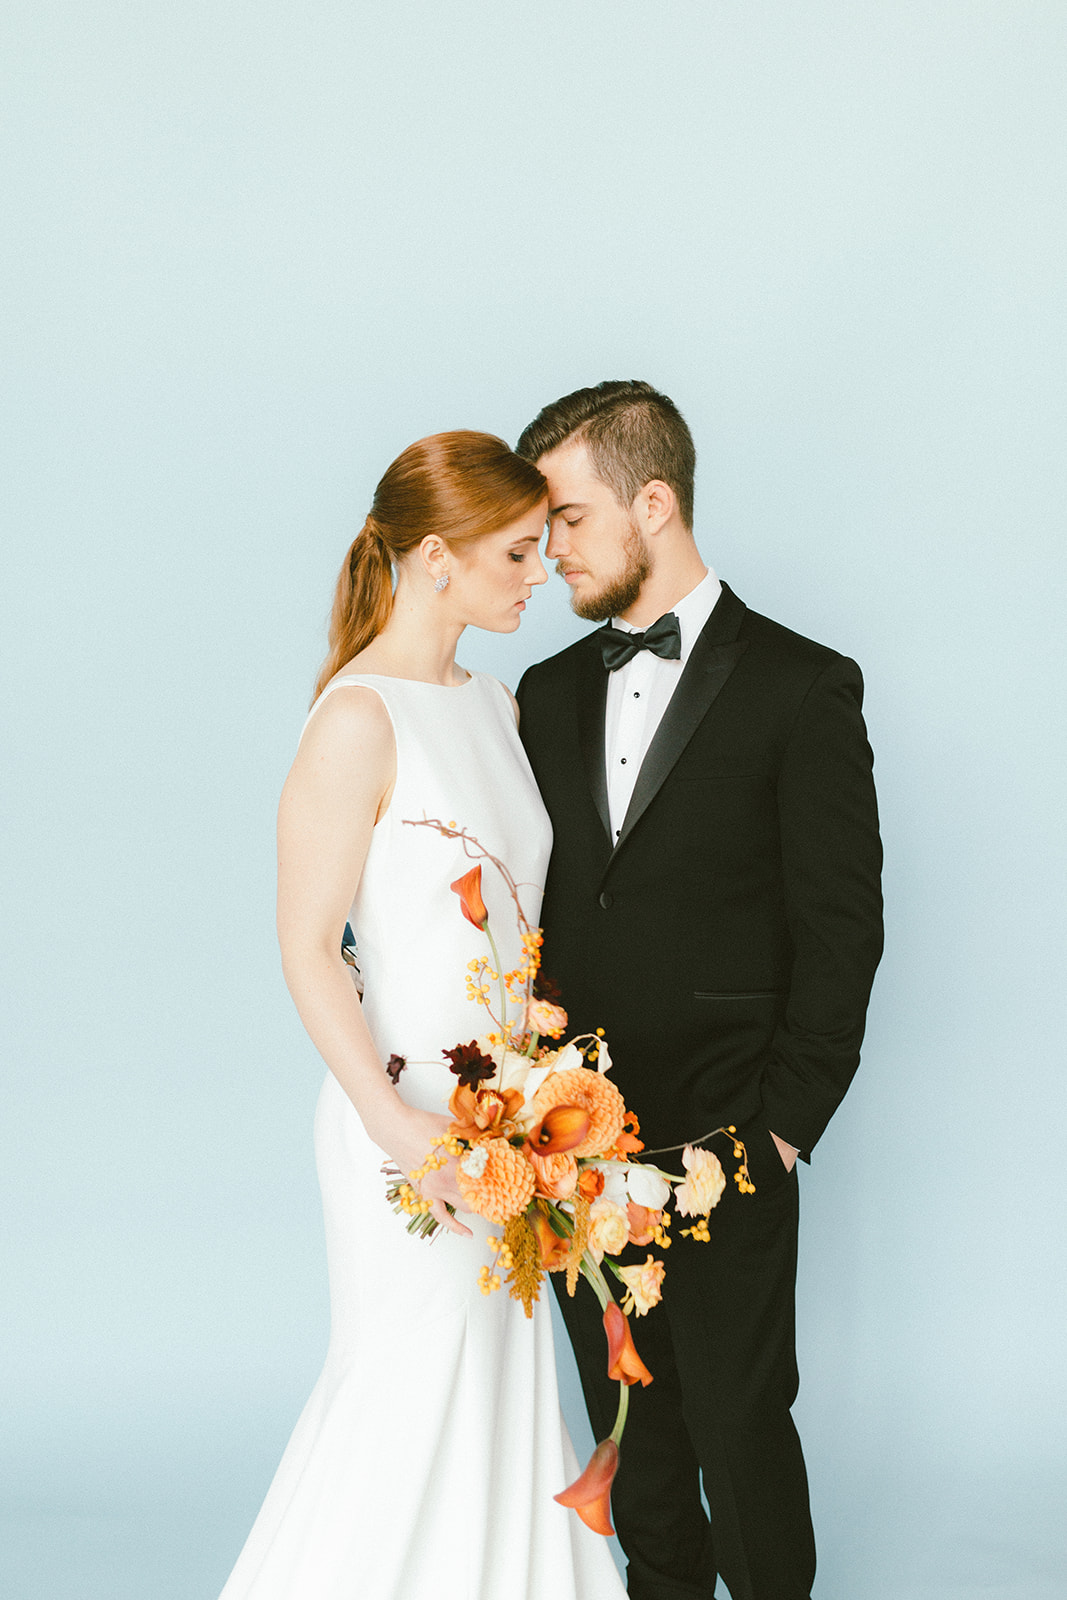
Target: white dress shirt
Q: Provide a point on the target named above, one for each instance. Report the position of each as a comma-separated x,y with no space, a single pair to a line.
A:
639,693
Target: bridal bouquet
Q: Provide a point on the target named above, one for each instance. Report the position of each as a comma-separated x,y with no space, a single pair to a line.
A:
544,1145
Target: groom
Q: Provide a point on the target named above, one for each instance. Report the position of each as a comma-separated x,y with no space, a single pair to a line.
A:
713,904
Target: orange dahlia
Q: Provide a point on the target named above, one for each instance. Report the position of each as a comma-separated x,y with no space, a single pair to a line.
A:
580,1086
495,1180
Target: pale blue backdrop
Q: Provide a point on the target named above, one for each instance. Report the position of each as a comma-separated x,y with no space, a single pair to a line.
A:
257,249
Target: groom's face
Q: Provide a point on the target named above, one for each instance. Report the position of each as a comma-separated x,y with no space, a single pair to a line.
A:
594,541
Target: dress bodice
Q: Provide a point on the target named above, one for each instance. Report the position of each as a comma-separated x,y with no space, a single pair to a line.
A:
459,760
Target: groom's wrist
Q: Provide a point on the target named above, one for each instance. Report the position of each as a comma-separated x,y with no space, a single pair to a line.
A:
788,1152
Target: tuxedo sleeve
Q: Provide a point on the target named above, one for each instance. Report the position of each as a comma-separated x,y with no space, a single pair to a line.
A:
831,875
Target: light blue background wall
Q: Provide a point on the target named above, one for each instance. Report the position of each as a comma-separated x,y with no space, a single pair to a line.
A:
257,249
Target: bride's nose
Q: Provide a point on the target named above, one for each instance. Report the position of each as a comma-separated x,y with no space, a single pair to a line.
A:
536,572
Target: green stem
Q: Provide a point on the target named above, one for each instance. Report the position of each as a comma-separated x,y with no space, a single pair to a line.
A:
595,1278
593,1275
500,979
620,1418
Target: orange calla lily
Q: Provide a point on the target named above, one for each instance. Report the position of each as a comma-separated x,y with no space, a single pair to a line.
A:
560,1129
624,1363
590,1495
554,1250
469,889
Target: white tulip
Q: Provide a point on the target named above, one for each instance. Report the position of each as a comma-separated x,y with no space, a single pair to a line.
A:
614,1182
645,1187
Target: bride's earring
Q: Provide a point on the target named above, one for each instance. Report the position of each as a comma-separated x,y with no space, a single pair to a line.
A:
441,582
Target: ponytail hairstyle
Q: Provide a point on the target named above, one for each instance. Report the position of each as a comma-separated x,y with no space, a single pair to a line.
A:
459,485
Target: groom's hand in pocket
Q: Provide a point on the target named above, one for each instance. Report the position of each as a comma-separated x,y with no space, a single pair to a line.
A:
787,1152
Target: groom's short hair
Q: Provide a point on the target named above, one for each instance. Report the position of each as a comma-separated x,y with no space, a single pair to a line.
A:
632,432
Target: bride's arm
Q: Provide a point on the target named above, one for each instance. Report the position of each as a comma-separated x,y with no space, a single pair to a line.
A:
339,785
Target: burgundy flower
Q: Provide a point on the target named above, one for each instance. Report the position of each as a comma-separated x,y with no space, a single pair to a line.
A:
470,1064
395,1066
545,989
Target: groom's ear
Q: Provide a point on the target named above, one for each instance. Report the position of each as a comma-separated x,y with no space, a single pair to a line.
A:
654,505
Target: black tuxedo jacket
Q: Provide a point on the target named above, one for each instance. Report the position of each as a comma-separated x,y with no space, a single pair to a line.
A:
728,941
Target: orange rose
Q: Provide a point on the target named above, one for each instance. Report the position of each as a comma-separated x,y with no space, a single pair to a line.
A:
590,1183
609,1228
556,1174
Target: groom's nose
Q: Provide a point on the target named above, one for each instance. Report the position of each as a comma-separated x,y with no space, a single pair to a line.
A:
557,544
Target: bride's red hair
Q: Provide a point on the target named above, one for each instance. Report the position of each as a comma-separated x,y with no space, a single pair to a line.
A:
459,485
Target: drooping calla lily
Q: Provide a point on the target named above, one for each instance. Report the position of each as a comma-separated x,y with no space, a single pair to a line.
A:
469,889
624,1363
560,1129
590,1495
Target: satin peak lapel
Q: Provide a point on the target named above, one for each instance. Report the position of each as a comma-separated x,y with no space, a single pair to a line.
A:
592,696
707,670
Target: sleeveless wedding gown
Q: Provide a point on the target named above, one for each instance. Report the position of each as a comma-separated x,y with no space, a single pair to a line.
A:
425,1461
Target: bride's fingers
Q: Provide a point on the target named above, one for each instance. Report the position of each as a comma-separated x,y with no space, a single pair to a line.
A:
439,1210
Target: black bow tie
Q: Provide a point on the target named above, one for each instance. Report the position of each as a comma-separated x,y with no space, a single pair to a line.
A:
664,638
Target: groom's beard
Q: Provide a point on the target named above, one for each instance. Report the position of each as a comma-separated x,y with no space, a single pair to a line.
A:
621,592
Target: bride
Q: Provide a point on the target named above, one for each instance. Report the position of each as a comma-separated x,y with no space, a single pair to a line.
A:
426,1459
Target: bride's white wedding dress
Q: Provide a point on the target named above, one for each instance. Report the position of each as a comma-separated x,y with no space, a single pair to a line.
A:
425,1462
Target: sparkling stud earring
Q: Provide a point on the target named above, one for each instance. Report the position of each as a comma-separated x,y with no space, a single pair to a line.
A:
441,582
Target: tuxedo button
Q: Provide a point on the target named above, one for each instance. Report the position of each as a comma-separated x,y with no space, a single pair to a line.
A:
607,900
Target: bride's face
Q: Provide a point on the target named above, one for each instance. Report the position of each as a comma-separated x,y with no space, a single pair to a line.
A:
492,577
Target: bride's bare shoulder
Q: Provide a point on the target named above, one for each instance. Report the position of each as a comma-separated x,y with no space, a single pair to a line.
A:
348,721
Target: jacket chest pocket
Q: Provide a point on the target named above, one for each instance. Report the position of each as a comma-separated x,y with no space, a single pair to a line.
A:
739,994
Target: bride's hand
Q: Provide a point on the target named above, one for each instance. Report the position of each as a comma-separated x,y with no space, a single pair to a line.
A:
408,1141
